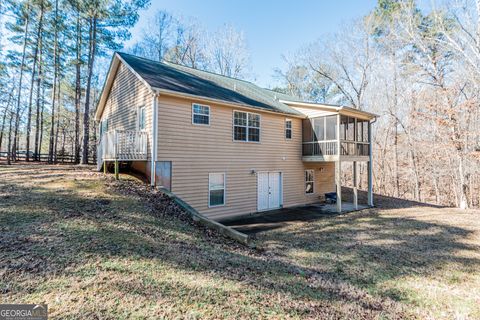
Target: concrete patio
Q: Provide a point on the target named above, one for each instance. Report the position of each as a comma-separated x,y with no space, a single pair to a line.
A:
274,219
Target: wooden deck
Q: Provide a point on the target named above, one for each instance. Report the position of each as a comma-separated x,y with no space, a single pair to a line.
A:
122,145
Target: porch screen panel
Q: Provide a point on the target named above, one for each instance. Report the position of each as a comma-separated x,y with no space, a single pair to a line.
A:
351,129
365,131
359,136
343,127
307,130
331,128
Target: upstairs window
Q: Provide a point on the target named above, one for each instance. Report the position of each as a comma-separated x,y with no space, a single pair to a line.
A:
200,114
246,126
288,129
216,189
141,118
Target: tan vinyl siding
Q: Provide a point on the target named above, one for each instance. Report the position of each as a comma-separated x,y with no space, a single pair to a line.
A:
127,94
196,151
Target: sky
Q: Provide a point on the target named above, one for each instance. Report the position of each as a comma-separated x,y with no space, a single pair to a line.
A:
272,28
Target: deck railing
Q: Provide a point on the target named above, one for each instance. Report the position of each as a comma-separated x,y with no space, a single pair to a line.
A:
320,148
330,148
123,145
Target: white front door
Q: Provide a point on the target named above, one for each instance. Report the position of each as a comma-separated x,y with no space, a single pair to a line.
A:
269,190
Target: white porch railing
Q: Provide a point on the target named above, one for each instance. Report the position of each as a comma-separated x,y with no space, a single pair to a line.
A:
330,148
122,145
320,148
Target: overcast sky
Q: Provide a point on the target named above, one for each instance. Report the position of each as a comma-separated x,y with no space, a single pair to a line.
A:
272,28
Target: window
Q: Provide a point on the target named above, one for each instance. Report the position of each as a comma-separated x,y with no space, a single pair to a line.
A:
200,114
103,126
246,126
216,189
309,181
141,118
288,129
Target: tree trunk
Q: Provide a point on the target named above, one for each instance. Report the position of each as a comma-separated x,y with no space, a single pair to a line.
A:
54,89
39,88
9,149
41,124
32,82
4,118
86,116
22,67
462,184
62,150
78,90
55,150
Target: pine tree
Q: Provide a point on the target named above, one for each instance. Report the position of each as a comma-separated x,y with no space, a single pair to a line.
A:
34,70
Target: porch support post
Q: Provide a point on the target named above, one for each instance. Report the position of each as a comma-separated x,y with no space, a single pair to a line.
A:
104,167
338,183
370,166
338,168
355,186
116,169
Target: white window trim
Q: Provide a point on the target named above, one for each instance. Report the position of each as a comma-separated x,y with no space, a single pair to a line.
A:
193,113
259,127
313,182
138,118
224,189
291,129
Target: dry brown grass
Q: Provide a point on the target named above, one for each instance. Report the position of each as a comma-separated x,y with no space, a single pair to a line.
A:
425,257
91,247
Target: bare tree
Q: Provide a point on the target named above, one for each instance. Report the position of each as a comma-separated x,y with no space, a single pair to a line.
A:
228,53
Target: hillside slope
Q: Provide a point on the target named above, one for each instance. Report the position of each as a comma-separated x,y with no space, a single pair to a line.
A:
92,247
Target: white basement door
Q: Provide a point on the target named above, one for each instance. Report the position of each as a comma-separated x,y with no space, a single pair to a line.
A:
269,190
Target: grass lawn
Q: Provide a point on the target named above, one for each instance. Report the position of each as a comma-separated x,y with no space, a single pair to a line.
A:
91,247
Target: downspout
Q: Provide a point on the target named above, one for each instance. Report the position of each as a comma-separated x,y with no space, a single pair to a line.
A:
154,137
370,163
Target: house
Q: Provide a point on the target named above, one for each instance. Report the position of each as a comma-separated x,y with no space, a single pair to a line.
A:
226,146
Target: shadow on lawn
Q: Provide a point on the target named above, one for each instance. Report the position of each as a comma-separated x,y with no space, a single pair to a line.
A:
384,202
60,231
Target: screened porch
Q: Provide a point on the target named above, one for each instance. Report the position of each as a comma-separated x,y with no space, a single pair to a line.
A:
336,137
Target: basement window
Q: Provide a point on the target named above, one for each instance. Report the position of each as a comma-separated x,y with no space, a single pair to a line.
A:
216,189
309,181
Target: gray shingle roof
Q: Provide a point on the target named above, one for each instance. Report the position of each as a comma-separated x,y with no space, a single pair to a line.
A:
181,79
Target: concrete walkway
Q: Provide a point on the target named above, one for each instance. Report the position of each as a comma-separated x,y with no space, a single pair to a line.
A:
274,219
